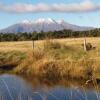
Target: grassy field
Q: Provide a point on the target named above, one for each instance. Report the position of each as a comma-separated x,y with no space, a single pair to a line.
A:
27,46
52,58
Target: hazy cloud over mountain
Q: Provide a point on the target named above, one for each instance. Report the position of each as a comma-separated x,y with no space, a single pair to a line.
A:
84,6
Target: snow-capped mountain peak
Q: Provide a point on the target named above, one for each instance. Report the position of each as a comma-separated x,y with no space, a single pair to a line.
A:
42,24
42,20
61,21
25,22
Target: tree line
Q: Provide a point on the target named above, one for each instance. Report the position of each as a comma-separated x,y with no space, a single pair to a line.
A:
43,35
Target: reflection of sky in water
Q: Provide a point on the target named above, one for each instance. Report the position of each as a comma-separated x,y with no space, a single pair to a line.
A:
15,88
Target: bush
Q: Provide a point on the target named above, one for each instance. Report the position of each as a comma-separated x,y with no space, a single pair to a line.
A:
89,46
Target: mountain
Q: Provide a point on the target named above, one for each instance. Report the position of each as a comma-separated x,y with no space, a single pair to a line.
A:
41,24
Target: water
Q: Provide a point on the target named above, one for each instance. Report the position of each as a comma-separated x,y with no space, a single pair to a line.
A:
17,88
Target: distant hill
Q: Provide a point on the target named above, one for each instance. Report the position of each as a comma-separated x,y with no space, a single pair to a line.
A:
44,25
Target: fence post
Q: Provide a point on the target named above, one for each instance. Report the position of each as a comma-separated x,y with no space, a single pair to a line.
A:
85,48
33,44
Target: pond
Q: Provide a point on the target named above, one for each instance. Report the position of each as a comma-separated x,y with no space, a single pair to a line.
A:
18,88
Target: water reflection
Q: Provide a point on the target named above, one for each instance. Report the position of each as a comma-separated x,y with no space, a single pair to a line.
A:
18,88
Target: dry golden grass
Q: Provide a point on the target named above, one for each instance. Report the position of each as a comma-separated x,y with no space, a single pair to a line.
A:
74,42
27,45
17,46
57,58
62,58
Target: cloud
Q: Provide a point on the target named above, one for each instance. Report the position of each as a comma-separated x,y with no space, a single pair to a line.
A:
85,6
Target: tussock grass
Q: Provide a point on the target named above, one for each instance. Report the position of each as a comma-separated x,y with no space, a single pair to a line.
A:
9,60
56,61
59,58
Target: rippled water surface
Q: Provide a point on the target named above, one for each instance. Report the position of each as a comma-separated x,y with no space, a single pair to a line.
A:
18,88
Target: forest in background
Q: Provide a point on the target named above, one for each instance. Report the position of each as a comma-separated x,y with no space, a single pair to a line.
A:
43,35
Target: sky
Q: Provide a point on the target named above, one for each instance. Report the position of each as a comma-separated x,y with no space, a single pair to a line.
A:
78,12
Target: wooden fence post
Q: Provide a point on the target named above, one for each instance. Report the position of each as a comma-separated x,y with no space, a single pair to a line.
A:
33,44
85,48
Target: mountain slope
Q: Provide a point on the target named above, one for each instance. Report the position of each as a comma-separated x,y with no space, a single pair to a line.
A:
42,25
